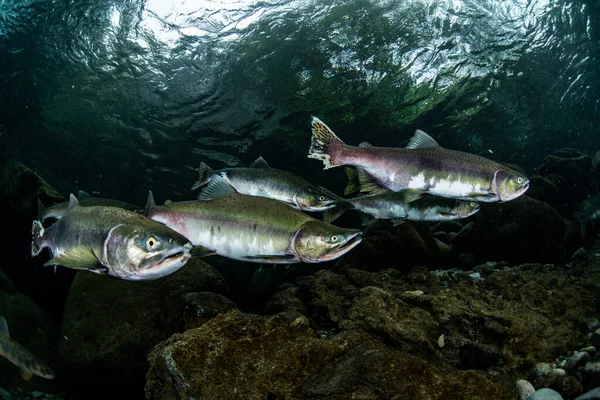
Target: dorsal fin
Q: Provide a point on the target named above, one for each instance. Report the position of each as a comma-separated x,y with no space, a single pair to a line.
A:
4,326
217,187
365,145
149,202
83,195
73,202
421,140
259,163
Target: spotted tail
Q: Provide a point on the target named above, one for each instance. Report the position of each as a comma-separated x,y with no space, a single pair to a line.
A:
37,233
324,145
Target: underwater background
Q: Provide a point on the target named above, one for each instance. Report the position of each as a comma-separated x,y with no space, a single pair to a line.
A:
120,97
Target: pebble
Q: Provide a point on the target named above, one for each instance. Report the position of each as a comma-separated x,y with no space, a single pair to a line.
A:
524,389
441,341
593,325
593,394
415,293
577,359
475,276
545,394
591,374
591,350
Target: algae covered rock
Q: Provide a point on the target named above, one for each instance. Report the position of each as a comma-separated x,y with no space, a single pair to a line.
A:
242,356
110,325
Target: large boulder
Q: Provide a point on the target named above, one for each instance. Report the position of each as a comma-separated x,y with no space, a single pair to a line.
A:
242,356
522,230
110,325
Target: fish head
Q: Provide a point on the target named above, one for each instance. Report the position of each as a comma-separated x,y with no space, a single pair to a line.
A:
146,251
509,184
465,209
310,198
318,241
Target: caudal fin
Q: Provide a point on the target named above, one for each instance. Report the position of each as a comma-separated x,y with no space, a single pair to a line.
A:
37,233
204,172
324,145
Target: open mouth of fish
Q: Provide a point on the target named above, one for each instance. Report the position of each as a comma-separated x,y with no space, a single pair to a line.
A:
177,257
351,243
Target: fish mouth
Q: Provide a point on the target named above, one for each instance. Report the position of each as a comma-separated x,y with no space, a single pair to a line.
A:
170,262
351,243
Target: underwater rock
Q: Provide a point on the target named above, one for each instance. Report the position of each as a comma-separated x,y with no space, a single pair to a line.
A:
591,374
386,246
568,386
22,188
246,356
575,170
30,327
524,389
545,394
110,325
577,359
593,394
546,189
285,299
511,315
519,231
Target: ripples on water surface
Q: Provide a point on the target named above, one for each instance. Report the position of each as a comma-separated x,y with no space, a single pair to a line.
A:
122,96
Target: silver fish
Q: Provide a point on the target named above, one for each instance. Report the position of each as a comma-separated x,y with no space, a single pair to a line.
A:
252,228
259,179
405,205
113,241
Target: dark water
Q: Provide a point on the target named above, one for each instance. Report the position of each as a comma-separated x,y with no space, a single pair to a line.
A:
119,97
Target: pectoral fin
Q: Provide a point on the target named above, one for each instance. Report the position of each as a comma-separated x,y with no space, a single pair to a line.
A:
77,258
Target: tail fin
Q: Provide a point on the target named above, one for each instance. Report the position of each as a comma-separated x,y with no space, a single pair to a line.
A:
204,172
324,144
353,182
332,214
37,233
41,210
149,202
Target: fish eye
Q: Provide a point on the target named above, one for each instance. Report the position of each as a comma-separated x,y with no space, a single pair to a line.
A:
519,180
151,243
322,198
334,238
472,204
